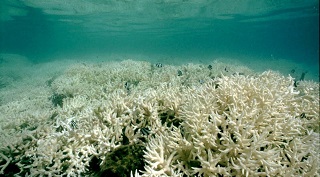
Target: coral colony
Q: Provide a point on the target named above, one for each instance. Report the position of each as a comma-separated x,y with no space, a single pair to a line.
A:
139,119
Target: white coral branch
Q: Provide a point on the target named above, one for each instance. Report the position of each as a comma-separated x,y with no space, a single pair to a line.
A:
4,166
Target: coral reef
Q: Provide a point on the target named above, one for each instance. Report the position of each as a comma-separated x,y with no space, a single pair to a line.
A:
131,118
121,161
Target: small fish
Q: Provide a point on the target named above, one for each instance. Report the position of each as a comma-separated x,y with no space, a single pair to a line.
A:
179,73
303,75
127,86
159,65
73,125
210,67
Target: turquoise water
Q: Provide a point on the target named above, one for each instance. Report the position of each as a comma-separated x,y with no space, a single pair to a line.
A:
259,30
182,84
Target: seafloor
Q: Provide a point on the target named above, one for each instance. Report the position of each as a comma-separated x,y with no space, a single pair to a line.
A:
153,118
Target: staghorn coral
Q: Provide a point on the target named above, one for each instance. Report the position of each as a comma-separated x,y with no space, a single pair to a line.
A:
206,122
248,126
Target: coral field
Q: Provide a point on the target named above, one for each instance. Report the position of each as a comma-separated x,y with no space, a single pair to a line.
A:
134,118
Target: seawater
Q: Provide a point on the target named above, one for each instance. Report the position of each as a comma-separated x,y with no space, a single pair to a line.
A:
171,32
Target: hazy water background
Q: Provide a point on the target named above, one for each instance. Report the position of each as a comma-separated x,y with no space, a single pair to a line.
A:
264,30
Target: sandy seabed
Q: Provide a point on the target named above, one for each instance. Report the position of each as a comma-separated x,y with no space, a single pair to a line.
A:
137,118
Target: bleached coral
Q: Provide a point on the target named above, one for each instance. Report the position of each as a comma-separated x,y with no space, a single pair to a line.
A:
158,161
249,126
201,121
